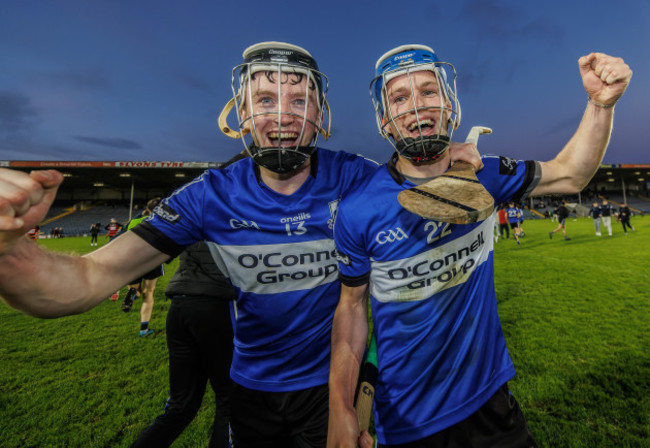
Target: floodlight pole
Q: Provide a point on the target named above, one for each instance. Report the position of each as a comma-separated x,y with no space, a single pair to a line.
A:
623,186
131,201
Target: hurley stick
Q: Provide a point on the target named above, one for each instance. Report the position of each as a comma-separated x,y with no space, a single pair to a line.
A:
366,390
456,197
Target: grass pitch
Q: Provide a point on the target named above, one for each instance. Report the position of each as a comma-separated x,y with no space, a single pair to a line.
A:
576,316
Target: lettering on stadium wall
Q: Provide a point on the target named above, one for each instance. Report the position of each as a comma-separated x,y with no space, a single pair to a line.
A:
151,165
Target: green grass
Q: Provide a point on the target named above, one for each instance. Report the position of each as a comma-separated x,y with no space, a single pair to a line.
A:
576,316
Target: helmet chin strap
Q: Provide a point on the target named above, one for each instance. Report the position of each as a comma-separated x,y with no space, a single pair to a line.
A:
423,148
281,160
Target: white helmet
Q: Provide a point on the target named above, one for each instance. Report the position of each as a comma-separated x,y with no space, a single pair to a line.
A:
276,59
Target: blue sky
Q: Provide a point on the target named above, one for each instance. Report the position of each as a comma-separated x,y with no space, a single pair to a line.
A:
146,80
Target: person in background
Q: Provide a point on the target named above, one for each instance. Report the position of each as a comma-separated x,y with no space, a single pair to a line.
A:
146,285
562,215
520,224
595,212
113,228
513,220
199,340
607,211
624,215
94,232
504,227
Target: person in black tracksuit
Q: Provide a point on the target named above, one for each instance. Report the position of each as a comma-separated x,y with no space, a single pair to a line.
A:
200,343
94,231
562,215
624,216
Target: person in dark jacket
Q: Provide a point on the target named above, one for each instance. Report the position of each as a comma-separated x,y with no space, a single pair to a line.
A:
562,215
200,344
94,232
596,212
606,215
624,216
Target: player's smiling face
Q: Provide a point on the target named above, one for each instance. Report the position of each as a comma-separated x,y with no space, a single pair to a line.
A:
410,92
282,118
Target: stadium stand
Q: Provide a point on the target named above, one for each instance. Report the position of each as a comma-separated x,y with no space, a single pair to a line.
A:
637,204
98,191
79,222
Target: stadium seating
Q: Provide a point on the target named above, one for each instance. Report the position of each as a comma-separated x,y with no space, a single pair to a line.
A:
78,222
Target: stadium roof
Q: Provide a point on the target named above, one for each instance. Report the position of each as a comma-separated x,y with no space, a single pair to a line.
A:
629,173
118,174
170,175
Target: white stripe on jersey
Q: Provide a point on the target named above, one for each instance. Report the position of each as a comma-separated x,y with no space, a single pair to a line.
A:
277,268
422,276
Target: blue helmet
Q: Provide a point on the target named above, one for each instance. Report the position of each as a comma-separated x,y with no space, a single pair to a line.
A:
405,60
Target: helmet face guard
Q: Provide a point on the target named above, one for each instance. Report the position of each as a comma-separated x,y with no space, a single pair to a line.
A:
280,123
422,144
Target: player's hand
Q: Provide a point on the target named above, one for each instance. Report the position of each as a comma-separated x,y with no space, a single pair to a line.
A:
343,429
24,201
466,152
604,77
365,440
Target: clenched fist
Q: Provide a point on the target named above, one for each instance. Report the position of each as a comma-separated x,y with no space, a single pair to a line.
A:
604,77
24,201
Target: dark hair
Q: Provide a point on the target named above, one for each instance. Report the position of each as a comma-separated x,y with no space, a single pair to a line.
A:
153,203
294,79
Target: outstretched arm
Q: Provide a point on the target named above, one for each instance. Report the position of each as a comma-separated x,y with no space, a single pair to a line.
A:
349,336
605,79
48,284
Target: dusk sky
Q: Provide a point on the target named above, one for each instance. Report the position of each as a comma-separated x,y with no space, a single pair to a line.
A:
146,80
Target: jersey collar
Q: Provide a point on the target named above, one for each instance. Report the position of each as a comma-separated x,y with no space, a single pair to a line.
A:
392,169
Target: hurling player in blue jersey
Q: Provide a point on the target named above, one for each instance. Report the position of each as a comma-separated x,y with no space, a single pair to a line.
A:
442,359
521,221
268,221
513,219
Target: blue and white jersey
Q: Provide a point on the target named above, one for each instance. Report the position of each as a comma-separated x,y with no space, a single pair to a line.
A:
441,351
278,252
521,215
513,215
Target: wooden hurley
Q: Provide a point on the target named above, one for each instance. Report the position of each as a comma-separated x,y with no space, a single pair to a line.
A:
366,387
456,197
